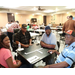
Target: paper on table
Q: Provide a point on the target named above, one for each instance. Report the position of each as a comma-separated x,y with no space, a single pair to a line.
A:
20,49
33,59
34,51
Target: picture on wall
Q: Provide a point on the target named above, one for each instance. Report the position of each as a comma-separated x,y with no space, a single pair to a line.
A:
33,20
53,17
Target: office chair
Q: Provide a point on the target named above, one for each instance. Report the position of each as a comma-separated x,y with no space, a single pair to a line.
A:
16,30
14,46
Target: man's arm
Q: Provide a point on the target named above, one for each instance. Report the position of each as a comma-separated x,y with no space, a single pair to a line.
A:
63,29
23,45
30,42
58,65
46,45
54,51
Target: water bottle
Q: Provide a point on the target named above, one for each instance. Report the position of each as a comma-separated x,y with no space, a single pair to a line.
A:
19,45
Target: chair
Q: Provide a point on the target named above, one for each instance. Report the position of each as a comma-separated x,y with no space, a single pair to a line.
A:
16,30
72,65
58,44
1,66
14,46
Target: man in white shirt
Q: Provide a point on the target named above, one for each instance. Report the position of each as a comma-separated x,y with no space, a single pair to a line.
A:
10,30
8,25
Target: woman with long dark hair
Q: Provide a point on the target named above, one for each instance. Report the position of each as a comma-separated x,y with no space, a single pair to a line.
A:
6,58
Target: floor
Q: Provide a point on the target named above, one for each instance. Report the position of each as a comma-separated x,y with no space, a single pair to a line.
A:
62,45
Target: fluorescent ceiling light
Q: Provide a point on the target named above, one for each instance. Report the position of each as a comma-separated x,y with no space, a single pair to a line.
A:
9,6
38,13
67,12
69,7
48,11
35,9
16,13
56,9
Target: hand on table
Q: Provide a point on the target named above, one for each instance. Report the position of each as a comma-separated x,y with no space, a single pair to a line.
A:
18,62
51,51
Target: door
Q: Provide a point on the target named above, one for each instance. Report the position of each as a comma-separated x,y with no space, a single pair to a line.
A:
10,17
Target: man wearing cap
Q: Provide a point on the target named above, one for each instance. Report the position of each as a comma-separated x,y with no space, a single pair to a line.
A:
23,36
67,56
48,40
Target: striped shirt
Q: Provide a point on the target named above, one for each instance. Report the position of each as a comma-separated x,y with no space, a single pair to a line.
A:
12,27
67,55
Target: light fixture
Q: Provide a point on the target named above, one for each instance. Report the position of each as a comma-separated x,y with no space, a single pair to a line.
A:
56,9
51,14
69,7
48,11
10,6
67,12
33,14
12,14
34,9
38,13
16,13
42,15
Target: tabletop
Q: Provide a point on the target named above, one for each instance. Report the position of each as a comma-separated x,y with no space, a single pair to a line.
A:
40,30
34,53
34,34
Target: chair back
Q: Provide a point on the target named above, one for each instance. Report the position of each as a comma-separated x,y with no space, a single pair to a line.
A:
1,66
16,30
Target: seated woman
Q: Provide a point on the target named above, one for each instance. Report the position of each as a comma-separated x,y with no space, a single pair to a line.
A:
6,58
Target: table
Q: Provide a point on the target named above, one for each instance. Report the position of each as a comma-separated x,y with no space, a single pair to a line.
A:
60,32
40,30
54,28
4,30
34,34
34,53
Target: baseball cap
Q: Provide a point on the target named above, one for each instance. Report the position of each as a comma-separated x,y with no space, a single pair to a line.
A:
24,26
47,27
71,32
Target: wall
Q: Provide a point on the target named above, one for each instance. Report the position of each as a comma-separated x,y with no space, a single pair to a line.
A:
3,19
26,18
22,18
59,18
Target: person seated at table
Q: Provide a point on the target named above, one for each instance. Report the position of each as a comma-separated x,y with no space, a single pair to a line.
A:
23,36
6,58
36,27
59,27
66,58
28,26
48,40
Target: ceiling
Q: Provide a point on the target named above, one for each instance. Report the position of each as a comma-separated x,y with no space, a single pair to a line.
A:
43,10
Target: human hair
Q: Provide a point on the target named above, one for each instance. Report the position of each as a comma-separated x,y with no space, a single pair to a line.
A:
2,36
17,21
70,16
12,21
